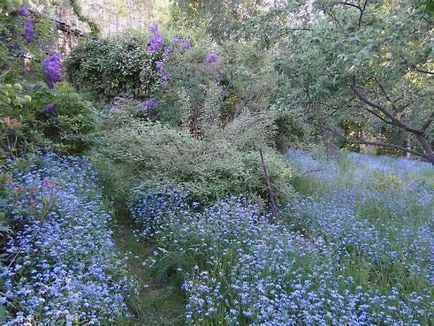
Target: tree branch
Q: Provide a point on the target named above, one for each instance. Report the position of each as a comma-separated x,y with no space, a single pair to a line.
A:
297,29
367,142
386,95
379,116
381,144
344,3
62,26
351,5
425,71
393,120
362,12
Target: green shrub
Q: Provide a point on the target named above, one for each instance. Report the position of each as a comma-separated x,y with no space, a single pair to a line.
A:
107,67
186,88
71,127
241,79
27,127
150,155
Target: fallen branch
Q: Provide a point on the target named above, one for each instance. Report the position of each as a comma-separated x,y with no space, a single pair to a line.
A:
61,26
271,196
311,171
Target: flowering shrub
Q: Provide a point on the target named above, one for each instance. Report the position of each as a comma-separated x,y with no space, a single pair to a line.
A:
63,267
50,109
211,58
324,260
123,65
33,115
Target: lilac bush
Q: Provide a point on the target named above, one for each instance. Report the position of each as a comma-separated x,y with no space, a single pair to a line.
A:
181,42
63,265
151,103
52,67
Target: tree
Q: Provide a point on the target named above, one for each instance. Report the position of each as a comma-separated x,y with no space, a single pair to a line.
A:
368,61
220,18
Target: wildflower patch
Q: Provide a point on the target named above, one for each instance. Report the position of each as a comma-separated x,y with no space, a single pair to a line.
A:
62,265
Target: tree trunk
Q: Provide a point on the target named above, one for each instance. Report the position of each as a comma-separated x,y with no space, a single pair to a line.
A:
408,155
427,148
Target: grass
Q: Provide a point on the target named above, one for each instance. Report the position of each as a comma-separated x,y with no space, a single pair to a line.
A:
155,303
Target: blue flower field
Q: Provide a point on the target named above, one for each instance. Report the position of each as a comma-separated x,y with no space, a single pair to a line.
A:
63,267
357,248
217,163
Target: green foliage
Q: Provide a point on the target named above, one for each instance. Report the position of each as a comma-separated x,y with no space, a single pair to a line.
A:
203,96
24,127
70,129
13,95
291,132
145,154
347,57
198,96
108,67
220,19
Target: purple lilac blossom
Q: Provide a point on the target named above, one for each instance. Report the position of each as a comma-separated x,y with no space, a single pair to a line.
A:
28,33
159,65
23,11
116,104
50,110
211,58
182,42
167,52
164,74
156,41
52,67
151,103
153,28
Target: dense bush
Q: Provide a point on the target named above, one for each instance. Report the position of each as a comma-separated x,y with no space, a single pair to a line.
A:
59,118
227,79
145,154
198,123
62,266
108,67
69,122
